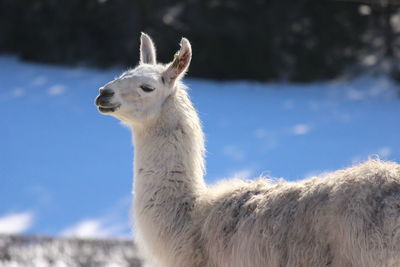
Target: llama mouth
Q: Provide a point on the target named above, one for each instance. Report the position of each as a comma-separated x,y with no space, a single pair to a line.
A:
108,109
104,105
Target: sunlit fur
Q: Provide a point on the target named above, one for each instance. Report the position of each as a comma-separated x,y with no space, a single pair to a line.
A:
347,218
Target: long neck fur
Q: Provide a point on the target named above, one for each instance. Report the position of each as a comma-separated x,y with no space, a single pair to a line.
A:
169,169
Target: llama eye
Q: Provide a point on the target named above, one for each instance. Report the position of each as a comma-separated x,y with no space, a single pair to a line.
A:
147,88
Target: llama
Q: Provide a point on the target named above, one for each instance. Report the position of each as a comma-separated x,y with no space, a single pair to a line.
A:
350,218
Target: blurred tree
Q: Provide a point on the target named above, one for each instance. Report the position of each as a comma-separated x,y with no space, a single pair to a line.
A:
381,40
301,40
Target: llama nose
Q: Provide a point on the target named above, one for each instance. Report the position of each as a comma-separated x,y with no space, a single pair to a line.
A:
106,92
103,99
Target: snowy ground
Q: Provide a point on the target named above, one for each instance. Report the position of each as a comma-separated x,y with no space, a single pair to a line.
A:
66,170
23,251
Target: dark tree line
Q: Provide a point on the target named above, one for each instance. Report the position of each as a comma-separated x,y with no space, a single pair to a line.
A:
300,40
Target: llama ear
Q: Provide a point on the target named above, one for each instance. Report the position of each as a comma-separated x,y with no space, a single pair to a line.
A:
178,67
147,50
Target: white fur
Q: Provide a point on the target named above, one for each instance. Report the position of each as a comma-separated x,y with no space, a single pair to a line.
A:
350,217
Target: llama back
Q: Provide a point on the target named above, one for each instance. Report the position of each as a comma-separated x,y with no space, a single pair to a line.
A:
365,214
348,218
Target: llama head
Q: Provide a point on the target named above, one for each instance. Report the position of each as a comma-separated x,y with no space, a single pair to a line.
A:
137,96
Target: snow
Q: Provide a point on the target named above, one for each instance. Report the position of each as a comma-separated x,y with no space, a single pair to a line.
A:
16,223
72,167
21,251
96,228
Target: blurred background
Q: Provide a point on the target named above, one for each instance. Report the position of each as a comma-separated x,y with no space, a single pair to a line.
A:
259,40
286,89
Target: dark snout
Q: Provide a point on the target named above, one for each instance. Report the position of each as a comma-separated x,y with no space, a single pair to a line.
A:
103,100
106,92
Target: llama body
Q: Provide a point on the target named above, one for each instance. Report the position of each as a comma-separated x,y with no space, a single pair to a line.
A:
350,217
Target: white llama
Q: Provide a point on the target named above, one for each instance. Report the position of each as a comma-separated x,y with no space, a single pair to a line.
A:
349,218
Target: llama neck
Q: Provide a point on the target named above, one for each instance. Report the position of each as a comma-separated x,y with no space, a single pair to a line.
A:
169,161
